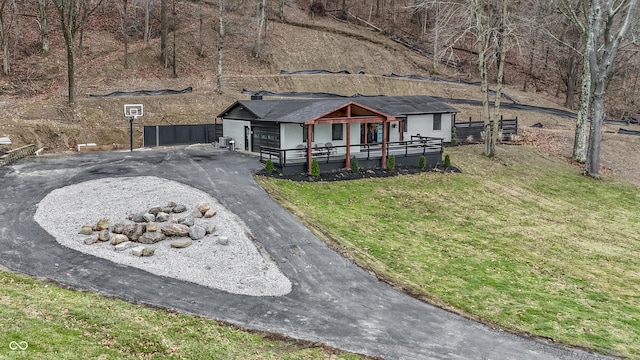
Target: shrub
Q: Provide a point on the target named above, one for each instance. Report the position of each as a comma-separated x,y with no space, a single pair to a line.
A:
268,166
454,136
391,162
422,163
315,168
354,164
447,161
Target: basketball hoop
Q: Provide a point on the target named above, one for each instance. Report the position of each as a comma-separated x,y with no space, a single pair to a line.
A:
132,111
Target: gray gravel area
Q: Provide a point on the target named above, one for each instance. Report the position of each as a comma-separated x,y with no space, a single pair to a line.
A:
239,267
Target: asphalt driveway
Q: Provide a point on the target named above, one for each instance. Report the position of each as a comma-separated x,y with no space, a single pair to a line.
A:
332,301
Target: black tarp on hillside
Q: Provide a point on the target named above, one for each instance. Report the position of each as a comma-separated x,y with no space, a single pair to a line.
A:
145,92
314,72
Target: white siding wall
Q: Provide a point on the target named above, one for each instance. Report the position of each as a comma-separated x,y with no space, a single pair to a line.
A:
394,133
291,135
423,125
235,130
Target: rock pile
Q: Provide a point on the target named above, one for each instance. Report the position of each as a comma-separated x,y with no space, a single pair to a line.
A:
139,231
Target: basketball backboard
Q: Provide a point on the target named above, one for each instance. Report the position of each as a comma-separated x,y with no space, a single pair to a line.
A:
133,110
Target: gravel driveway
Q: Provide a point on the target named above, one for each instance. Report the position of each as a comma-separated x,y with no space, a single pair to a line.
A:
331,301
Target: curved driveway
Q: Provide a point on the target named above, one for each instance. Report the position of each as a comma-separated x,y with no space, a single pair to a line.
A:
333,301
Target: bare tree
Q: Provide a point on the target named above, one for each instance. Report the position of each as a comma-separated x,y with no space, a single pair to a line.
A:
580,14
262,19
7,21
73,15
491,36
44,26
147,15
164,33
609,24
221,33
124,27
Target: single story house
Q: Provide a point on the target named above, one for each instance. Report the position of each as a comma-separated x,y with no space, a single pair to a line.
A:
292,132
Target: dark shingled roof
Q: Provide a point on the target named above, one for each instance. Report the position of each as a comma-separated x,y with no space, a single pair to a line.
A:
301,110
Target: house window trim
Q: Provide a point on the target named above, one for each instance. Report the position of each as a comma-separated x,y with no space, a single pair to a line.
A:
335,131
437,120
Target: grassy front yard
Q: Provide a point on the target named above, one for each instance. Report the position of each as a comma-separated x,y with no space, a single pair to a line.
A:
49,322
522,241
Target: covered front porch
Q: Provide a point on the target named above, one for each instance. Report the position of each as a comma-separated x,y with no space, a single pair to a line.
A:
332,158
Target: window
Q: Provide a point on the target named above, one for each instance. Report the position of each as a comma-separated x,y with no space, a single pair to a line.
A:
305,131
336,132
437,121
404,125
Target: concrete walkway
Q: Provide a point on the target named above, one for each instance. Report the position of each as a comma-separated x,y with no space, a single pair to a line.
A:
332,302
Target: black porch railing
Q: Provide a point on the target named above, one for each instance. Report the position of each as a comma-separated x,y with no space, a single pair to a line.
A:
416,146
473,129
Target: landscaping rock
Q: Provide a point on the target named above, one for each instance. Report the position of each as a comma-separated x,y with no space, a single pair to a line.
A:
148,217
196,213
91,240
151,237
187,220
86,230
118,239
152,227
155,210
197,232
175,230
223,240
162,217
209,227
210,213
179,208
181,243
203,207
118,228
138,218
134,231
143,250
124,246
103,224
104,235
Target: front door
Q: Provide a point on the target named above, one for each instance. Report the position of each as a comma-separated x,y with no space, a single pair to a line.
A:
247,138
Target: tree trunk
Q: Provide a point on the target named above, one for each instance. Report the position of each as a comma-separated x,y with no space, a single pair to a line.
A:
68,39
220,46
173,62
592,165
44,26
200,30
262,13
500,77
164,33
147,11
281,4
125,34
580,140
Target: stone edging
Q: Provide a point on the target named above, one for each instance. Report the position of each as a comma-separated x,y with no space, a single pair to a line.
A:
17,154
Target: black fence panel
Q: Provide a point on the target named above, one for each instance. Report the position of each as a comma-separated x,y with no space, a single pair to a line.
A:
473,129
168,135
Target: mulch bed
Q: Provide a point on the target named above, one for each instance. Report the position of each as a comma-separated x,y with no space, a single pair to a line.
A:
361,174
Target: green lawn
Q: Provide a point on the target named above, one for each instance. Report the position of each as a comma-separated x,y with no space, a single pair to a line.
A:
58,324
523,241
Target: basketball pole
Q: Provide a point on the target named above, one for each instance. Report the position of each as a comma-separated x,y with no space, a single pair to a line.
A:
131,133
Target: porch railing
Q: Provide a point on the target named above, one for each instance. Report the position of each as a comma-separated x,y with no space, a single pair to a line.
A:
416,146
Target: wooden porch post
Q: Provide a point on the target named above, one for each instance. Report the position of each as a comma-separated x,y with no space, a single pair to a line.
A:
384,143
348,124
309,145
400,134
